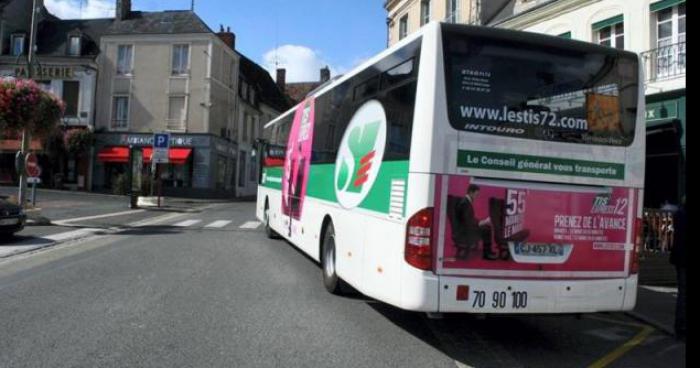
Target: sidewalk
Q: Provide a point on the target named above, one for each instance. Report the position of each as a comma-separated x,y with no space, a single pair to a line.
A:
656,305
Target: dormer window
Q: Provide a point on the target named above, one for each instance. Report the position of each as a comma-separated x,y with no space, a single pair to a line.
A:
74,45
17,44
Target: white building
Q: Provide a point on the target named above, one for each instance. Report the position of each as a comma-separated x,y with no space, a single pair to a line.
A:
656,30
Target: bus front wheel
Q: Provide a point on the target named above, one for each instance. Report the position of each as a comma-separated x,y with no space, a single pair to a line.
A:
330,277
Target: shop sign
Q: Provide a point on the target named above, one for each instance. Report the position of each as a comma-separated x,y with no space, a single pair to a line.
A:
662,110
46,72
135,140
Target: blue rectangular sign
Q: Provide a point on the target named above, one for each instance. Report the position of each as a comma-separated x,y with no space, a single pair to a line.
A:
161,141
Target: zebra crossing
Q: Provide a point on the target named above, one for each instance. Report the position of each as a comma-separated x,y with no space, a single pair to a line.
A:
216,224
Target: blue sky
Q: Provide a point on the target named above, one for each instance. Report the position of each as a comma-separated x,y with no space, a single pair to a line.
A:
309,33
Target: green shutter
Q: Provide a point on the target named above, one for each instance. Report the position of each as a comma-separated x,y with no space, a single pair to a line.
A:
663,4
565,35
597,26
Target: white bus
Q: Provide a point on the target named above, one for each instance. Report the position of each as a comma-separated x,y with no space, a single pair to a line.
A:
468,169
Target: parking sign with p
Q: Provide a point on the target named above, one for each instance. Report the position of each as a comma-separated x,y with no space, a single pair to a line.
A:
161,147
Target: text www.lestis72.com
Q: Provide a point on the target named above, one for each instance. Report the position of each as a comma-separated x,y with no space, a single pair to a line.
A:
527,117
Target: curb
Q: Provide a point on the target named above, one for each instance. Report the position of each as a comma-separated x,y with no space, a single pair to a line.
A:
657,325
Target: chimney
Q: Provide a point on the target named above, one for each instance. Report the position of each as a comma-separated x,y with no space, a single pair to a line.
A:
227,36
123,9
281,78
325,74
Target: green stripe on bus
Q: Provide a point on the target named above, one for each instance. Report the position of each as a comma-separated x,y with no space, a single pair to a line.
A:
539,165
321,183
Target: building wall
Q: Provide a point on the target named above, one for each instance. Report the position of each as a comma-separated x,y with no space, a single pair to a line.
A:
397,9
665,95
210,98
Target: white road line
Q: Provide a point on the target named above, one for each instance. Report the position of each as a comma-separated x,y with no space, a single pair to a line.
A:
219,224
67,221
187,223
71,234
250,225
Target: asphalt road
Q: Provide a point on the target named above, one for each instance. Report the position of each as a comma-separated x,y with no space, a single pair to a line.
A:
177,293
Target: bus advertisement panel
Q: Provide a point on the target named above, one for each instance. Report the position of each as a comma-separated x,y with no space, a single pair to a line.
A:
542,230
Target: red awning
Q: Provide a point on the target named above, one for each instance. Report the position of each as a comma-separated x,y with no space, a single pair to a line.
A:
114,154
177,156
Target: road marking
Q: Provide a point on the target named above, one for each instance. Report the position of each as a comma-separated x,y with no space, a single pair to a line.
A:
114,214
218,224
71,234
624,348
250,225
187,223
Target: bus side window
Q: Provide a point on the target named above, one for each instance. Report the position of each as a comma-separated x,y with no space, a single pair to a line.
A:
398,74
367,88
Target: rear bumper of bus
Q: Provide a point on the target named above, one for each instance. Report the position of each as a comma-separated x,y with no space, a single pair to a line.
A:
449,294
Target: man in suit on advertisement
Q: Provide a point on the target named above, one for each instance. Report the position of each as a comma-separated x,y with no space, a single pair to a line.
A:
467,230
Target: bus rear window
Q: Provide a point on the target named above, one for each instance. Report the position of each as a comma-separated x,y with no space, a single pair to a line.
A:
540,92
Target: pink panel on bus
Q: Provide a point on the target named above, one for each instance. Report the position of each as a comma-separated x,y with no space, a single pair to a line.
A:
528,228
297,160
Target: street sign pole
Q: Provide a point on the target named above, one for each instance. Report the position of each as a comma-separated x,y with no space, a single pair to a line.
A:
26,139
161,155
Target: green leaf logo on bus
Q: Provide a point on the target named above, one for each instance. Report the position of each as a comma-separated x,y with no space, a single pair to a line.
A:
360,154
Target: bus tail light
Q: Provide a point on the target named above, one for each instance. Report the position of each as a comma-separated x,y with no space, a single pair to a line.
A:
638,244
419,241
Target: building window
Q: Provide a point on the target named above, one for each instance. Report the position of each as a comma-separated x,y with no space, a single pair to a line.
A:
176,112
424,12
181,60
565,35
74,46
71,94
244,130
241,168
452,11
611,32
670,40
120,112
253,172
125,58
17,45
403,27
244,90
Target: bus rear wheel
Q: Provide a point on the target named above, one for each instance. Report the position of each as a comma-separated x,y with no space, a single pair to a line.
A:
328,251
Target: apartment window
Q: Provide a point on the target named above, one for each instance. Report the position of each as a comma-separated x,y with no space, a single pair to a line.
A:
452,11
244,130
244,90
17,44
403,27
611,32
241,168
252,96
670,38
253,172
424,12
120,112
71,94
181,59
566,35
125,58
74,45
176,109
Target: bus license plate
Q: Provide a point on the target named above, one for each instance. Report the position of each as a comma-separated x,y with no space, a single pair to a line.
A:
542,250
499,299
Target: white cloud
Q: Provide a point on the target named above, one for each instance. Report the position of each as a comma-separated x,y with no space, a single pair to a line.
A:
302,63
72,9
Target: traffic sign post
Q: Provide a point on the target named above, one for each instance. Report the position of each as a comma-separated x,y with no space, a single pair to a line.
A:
161,155
33,171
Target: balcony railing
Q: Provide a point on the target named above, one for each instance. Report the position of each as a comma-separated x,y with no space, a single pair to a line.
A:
665,62
177,125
